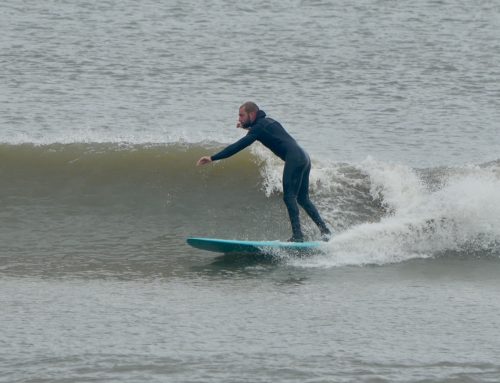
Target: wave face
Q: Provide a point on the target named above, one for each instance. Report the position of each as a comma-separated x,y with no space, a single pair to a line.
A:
382,212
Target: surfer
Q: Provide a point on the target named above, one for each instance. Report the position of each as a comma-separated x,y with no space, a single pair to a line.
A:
297,164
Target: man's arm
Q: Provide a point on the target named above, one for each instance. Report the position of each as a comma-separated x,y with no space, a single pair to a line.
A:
230,150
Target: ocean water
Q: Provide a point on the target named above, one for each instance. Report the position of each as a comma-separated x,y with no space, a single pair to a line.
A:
105,108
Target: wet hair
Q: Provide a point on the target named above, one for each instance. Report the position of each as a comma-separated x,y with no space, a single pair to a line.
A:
250,106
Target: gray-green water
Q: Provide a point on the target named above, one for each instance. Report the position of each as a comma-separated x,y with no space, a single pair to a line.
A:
106,106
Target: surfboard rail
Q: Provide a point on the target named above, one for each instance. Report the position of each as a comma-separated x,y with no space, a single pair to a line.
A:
226,246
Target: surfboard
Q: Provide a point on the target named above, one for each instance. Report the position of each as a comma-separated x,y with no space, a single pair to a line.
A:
227,246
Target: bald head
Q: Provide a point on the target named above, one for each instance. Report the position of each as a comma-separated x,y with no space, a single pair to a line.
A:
250,107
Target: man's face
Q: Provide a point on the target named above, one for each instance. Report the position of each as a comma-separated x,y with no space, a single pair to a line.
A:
245,118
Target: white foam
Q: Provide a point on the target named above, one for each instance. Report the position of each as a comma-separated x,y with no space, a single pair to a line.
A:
398,186
323,178
463,216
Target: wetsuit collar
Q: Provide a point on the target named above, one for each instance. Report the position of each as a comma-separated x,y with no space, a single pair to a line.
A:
260,114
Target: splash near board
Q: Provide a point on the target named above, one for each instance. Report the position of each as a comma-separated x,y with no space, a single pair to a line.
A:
227,246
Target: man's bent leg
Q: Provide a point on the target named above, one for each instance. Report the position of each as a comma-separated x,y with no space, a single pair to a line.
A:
307,205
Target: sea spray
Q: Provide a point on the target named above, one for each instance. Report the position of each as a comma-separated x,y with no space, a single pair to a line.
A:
461,217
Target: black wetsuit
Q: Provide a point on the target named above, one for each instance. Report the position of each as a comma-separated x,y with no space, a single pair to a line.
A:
295,174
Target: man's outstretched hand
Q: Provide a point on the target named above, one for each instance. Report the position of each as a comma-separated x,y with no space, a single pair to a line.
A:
203,161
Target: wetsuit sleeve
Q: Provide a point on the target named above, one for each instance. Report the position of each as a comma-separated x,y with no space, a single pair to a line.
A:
236,147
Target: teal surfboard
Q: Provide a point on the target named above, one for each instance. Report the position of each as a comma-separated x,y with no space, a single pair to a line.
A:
227,246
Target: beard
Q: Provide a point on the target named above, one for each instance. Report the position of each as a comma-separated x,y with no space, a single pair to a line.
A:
246,124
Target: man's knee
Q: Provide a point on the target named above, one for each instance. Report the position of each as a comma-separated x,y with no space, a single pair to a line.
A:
303,200
290,199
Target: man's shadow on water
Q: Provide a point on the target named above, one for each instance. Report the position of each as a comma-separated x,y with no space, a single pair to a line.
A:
237,263
243,265
252,267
